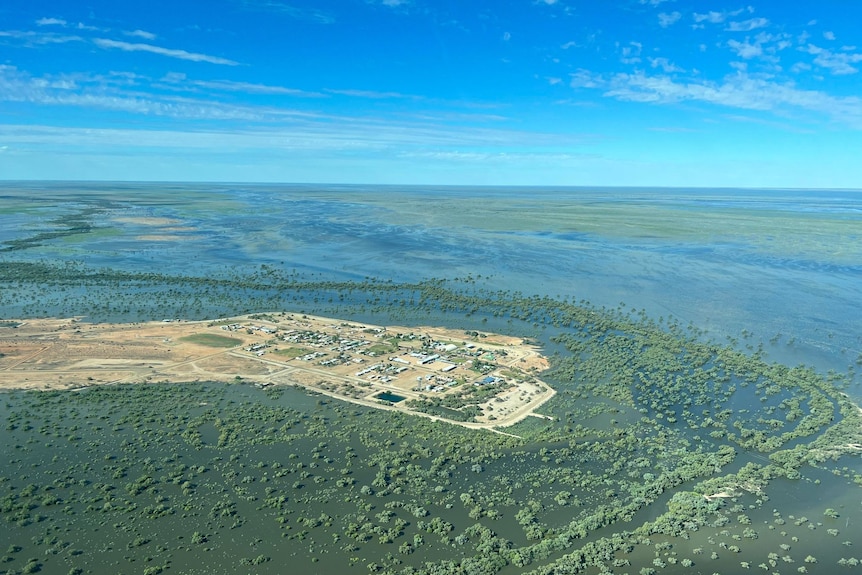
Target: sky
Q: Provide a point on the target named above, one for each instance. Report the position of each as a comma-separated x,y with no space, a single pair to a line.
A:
706,93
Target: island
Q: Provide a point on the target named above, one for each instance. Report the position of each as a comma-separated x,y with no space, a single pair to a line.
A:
470,378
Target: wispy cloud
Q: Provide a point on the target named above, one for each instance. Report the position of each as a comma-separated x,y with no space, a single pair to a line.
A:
666,19
763,45
100,93
31,38
82,26
250,126
498,157
631,54
653,2
747,25
372,94
141,34
182,81
747,119
839,63
290,10
745,49
64,24
300,136
739,91
665,64
713,17
169,52
51,22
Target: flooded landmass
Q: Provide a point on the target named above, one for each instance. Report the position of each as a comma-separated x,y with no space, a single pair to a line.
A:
178,398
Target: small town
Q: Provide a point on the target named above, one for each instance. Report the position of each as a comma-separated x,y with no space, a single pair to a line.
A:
465,377
470,378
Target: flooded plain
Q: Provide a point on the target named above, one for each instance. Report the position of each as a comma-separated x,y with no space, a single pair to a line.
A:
675,443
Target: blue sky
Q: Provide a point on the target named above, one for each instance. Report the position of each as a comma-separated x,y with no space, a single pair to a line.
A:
535,92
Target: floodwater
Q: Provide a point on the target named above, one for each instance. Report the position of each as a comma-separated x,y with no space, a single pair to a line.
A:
782,265
782,268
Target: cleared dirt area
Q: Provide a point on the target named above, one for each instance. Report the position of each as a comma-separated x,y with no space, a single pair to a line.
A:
380,366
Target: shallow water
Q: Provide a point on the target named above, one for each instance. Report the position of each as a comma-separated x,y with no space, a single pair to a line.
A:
784,263
754,266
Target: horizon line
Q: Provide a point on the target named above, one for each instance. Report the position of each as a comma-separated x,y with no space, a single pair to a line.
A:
8,182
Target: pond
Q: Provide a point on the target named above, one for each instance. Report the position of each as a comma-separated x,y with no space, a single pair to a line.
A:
390,397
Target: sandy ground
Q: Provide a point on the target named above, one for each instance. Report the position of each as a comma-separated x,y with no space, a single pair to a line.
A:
47,354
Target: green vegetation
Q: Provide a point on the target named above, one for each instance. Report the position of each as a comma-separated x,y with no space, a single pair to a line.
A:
291,352
662,452
383,348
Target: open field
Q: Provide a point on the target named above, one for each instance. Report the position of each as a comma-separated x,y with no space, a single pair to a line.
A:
495,375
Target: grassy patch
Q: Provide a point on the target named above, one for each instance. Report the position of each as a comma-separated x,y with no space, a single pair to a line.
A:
291,352
382,348
212,340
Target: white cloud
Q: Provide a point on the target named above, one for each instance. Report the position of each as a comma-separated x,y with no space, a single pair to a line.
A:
739,91
713,17
745,49
653,2
266,128
171,53
500,157
371,94
141,34
570,44
50,22
586,79
664,64
747,25
181,81
288,9
394,3
300,135
631,54
507,36
839,64
31,38
17,86
668,19
829,35
547,2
